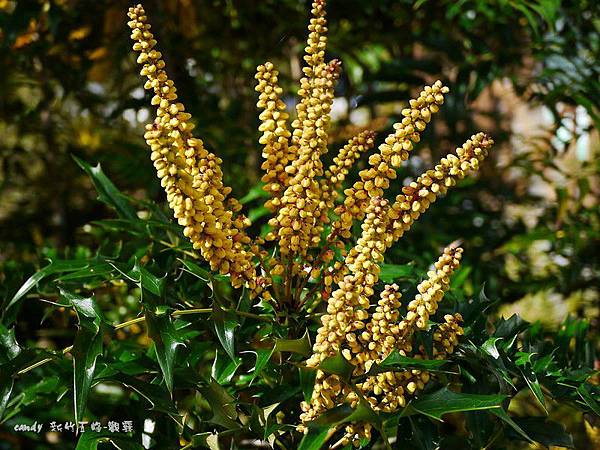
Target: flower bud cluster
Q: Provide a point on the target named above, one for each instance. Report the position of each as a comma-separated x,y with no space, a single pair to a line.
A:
275,134
347,309
421,193
445,338
298,223
190,175
367,342
431,290
336,173
313,71
392,152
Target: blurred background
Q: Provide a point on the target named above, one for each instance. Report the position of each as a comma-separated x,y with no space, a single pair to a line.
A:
524,71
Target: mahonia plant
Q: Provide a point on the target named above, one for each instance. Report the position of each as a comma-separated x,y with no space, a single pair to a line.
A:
298,263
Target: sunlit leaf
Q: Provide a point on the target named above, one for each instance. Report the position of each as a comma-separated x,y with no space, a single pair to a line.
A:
392,272
9,348
262,358
337,365
224,368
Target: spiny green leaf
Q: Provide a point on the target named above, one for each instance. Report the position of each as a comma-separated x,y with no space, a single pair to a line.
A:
340,415
86,348
511,327
222,405
545,432
224,368
147,280
202,273
263,355
156,395
584,393
534,386
395,361
503,415
445,401
52,268
107,191
166,340
489,347
301,346
225,324
91,271
337,365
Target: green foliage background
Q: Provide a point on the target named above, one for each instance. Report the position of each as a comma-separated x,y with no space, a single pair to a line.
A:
71,89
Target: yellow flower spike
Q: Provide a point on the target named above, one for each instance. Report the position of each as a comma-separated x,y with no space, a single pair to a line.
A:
351,300
431,291
336,173
445,338
275,138
301,204
385,320
190,175
391,153
418,195
315,60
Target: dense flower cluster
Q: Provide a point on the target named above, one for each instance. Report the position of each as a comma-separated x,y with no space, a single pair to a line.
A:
392,152
275,138
365,339
190,175
303,267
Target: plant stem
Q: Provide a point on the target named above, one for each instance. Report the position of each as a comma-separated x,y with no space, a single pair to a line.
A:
174,247
288,279
129,322
183,312
43,361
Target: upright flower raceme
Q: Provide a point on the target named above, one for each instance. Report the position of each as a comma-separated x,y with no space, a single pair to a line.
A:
190,174
295,266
